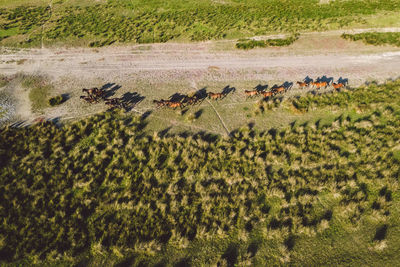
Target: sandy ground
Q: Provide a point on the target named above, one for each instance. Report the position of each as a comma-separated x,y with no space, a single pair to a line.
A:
155,69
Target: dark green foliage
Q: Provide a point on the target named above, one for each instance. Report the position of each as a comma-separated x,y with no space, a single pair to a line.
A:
56,100
161,21
375,38
250,44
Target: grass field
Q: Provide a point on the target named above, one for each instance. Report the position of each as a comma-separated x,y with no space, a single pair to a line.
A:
94,23
103,191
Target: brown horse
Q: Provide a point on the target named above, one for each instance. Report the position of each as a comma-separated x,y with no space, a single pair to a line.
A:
267,94
161,103
175,105
302,84
337,85
251,93
215,96
279,90
318,85
89,91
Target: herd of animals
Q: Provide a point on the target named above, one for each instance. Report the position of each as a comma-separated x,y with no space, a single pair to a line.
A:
94,95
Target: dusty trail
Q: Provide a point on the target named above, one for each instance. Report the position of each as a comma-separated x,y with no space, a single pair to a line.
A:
314,54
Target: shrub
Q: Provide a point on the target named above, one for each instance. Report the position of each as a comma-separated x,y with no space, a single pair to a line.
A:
56,100
250,44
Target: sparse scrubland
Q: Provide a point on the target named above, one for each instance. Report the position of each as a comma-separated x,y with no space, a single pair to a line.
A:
97,23
102,191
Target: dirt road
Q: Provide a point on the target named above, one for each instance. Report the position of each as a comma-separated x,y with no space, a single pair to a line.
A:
314,54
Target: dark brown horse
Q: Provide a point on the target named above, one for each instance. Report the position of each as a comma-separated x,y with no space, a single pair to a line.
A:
191,100
96,92
90,99
114,102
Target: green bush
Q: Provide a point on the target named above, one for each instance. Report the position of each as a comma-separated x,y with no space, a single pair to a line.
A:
56,100
250,44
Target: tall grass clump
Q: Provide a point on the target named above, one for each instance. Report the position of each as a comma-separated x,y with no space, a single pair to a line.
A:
250,44
375,38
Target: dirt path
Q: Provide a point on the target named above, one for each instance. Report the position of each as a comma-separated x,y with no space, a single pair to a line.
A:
313,54
159,70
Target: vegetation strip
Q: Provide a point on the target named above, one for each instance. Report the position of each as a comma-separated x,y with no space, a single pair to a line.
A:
250,44
375,38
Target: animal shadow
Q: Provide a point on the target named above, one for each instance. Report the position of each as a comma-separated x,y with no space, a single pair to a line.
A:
110,89
177,97
145,115
274,86
261,88
164,132
65,97
325,79
198,113
344,81
308,79
227,90
287,85
201,94
130,100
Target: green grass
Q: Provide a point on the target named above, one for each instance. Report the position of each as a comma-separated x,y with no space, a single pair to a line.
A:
375,38
102,191
39,90
117,21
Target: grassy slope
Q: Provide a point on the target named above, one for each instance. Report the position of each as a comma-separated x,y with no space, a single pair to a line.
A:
101,191
102,23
